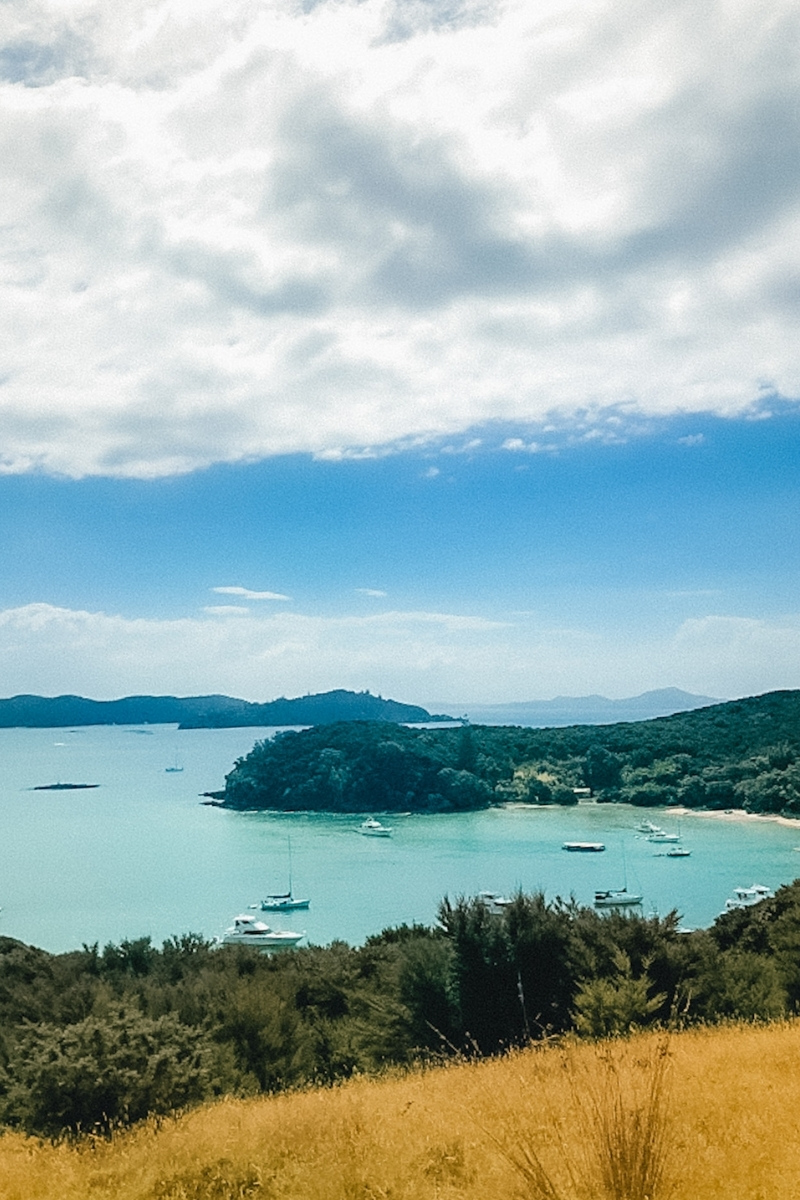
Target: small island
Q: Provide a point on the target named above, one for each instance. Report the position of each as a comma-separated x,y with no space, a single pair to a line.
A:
743,754
63,787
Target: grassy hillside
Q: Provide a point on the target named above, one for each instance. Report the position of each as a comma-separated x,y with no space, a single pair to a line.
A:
708,1115
741,754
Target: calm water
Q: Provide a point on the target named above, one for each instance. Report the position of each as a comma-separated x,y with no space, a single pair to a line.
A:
141,854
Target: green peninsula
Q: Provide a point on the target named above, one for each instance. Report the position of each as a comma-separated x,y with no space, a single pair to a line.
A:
205,712
742,754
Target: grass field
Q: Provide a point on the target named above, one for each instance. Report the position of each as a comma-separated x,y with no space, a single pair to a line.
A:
703,1115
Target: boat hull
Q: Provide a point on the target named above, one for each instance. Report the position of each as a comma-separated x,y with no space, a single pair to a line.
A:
617,899
247,931
283,904
269,941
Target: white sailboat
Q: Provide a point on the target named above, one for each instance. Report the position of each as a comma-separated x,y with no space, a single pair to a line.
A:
618,897
284,901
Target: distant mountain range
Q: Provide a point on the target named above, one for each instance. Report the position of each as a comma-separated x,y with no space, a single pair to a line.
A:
588,710
324,708
207,712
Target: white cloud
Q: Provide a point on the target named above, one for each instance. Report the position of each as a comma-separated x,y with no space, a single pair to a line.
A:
375,593
247,594
415,656
234,229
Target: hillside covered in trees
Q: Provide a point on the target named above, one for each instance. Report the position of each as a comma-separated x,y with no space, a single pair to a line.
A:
96,1038
740,754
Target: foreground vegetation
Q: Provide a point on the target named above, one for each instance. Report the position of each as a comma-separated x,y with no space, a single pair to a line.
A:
743,754
94,1039
709,1115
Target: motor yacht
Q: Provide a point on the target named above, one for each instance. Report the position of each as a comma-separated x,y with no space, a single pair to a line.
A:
247,930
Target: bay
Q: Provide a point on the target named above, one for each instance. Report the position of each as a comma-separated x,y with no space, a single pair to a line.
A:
141,855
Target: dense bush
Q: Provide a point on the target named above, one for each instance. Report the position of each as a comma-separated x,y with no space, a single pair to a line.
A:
102,1071
95,1038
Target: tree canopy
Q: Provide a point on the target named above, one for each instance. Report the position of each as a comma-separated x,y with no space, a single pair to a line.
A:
742,754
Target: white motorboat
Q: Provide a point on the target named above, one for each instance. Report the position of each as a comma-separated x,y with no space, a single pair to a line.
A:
746,897
373,828
677,852
494,903
661,836
616,898
648,827
247,930
584,847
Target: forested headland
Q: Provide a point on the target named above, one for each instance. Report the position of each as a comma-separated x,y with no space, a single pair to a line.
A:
740,754
94,1038
204,712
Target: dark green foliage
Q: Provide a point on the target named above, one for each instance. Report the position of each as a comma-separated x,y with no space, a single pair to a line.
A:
744,754
90,1040
602,769
103,1071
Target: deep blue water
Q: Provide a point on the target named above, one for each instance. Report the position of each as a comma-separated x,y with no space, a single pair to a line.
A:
142,855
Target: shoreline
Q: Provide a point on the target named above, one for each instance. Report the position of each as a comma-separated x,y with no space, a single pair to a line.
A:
733,814
719,814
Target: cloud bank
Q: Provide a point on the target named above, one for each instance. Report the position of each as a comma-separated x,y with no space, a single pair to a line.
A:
232,229
420,657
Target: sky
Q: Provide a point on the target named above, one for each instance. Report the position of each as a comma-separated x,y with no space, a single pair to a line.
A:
441,348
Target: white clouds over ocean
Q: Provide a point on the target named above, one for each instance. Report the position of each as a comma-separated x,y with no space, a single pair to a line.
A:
232,230
425,657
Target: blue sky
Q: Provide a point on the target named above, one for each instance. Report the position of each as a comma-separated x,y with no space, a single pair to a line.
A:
445,349
445,575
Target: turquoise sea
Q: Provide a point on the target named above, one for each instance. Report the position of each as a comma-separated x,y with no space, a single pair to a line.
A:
141,854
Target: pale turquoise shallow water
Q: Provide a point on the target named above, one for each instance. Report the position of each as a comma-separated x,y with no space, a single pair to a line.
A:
141,854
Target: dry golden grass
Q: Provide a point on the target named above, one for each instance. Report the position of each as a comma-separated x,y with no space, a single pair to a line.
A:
711,1114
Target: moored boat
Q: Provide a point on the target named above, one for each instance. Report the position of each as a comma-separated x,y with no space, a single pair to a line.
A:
283,902
746,897
247,930
661,836
585,847
373,828
616,898
494,903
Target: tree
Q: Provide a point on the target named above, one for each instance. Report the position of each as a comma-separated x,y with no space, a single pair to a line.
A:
608,1006
601,769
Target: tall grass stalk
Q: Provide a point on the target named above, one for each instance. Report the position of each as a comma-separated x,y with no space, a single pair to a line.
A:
612,1142
626,1123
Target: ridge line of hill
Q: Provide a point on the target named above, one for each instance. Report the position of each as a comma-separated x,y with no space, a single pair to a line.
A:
206,712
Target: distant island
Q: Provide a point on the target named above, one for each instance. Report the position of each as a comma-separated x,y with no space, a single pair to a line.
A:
206,712
326,708
589,710
742,754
